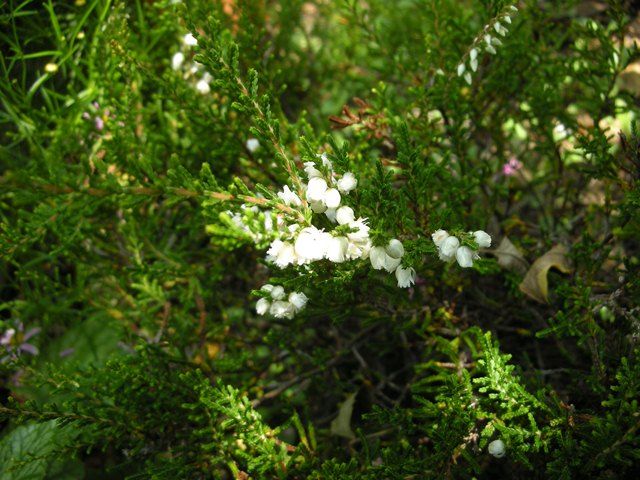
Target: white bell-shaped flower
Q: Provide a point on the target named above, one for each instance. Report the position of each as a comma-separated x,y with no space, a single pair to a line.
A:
252,145
390,263
377,256
358,250
337,249
289,197
465,257
439,236
361,232
286,255
345,215
311,170
311,244
482,238
203,87
189,40
177,60
298,300
282,309
332,198
277,293
405,276
316,188
347,182
331,214
262,306
395,249
272,253
449,246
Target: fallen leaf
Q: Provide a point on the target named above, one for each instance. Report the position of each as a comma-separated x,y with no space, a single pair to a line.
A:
535,283
509,257
341,425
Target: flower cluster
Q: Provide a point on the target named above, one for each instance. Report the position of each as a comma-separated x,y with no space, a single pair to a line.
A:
190,69
389,258
278,304
324,191
449,247
486,42
260,226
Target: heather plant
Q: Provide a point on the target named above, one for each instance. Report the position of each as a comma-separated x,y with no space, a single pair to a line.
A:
328,239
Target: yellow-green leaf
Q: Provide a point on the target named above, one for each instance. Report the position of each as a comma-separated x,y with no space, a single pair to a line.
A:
535,283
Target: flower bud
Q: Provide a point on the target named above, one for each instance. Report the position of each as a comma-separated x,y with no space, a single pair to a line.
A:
465,257
345,215
482,238
316,188
262,306
395,248
277,293
176,60
332,198
497,448
252,145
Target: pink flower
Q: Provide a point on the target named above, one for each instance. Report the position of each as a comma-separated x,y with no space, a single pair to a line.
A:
511,167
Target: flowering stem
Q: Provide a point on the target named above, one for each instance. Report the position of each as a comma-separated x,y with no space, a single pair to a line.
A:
182,192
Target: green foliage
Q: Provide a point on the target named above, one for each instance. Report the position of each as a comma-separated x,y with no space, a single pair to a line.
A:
136,209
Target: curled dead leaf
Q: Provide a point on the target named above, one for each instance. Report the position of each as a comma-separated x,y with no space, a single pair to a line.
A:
341,425
509,257
535,283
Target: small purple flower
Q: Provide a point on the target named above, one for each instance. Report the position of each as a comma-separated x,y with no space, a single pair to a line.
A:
511,167
99,123
14,341
66,352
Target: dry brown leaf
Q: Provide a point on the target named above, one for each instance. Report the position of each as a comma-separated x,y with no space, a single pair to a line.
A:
509,257
535,283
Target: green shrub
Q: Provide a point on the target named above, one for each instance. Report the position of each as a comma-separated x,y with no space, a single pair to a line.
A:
246,239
